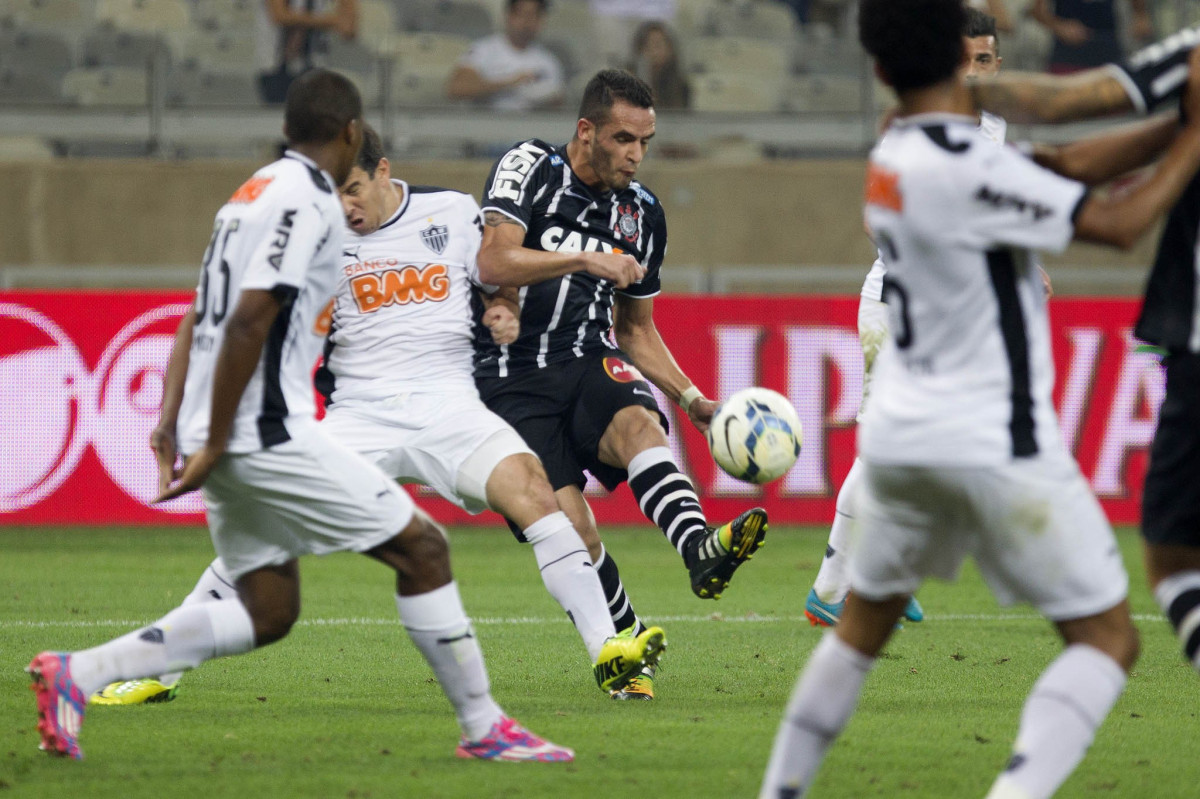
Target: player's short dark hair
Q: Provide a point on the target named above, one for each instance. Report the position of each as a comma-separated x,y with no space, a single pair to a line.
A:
545,5
979,24
916,43
607,87
320,104
372,151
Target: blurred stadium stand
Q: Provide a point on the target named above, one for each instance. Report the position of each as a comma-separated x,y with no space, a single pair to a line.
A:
176,80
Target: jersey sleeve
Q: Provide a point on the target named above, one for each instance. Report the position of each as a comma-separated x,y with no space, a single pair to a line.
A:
656,252
1157,74
516,179
472,224
292,232
1011,201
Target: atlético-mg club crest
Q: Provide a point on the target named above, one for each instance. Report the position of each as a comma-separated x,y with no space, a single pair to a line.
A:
436,237
627,222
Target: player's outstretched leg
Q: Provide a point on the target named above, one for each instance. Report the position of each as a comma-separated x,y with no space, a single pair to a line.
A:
667,497
214,584
723,550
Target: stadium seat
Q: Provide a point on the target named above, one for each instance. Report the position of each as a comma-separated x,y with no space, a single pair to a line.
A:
418,86
754,20
28,87
231,15
191,87
737,56
109,47
36,51
113,86
376,25
25,148
353,56
824,94
59,15
218,51
731,92
693,17
459,17
159,16
431,50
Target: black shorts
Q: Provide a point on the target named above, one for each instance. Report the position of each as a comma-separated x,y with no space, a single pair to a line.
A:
1171,498
563,410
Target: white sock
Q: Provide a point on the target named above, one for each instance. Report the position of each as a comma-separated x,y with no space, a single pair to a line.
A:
183,639
571,579
439,627
833,581
1068,703
821,704
214,584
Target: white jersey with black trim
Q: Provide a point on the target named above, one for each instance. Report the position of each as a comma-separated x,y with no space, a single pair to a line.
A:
995,129
966,378
281,231
402,311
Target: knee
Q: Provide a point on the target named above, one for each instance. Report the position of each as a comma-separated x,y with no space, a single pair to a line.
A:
423,544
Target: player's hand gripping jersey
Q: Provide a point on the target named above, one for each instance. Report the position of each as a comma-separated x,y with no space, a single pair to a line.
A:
402,312
968,374
280,232
564,318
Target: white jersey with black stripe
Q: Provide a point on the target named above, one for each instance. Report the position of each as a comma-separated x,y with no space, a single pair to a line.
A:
281,231
403,307
968,374
995,129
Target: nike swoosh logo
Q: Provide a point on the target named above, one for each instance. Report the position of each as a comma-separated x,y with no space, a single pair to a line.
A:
572,193
643,393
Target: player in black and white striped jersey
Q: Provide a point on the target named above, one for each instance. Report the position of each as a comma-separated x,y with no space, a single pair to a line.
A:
585,241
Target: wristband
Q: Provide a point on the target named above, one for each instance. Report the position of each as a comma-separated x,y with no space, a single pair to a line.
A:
689,395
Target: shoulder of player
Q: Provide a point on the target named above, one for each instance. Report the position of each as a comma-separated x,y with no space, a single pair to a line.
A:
531,150
286,183
648,200
424,200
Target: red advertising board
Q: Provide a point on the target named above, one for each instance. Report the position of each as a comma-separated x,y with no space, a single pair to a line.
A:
81,375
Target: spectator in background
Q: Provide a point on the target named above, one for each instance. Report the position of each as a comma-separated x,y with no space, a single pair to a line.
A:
289,34
510,71
1086,33
656,61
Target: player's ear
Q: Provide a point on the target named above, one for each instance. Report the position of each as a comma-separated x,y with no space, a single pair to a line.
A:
384,170
584,130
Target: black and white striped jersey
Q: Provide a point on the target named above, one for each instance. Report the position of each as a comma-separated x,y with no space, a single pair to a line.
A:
564,318
1170,314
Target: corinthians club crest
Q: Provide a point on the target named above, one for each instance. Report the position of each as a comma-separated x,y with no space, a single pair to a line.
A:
436,237
627,222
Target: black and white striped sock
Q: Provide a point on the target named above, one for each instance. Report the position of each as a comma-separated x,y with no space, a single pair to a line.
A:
667,497
1179,597
619,606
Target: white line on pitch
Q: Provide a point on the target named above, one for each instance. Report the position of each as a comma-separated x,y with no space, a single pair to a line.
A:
360,621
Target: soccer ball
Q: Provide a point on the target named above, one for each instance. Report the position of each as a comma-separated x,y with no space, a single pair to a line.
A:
755,435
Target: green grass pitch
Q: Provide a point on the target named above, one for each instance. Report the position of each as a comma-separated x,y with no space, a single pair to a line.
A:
345,707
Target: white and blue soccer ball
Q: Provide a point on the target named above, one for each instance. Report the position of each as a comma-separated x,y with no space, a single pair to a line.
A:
755,435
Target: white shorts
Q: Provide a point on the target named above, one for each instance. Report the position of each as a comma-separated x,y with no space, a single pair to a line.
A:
1033,526
307,496
873,333
449,442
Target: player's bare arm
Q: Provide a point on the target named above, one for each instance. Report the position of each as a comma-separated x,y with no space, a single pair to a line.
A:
505,261
1123,221
1105,156
246,331
638,337
162,437
1033,97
